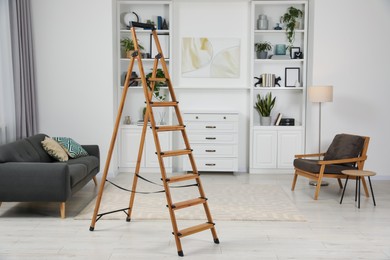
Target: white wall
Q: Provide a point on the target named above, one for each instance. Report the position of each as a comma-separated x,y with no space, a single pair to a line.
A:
73,43
73,53
350,52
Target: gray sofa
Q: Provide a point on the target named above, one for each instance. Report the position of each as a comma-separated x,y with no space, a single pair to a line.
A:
28,173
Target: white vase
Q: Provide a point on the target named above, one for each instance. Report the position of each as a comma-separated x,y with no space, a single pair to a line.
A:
265,120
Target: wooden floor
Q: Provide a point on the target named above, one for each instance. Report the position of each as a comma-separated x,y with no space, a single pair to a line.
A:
332,231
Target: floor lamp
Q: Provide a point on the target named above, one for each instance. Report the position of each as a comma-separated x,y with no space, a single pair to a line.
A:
320,94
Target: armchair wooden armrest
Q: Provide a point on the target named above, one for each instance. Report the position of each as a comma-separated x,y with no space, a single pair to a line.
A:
341,161
309,155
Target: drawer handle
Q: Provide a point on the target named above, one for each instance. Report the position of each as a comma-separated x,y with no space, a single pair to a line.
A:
210,164
211,138
210,151
211,126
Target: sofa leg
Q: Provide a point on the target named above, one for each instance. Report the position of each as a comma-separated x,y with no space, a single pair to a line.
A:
62,209
95,180
0,203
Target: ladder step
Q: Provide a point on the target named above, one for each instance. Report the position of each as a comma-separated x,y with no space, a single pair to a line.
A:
157,79
170,128
195,229
164,104
175,153
188,203
184,177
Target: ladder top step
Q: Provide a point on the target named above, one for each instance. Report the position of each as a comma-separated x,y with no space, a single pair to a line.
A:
170,128
184,177
195,229
188,203
175,153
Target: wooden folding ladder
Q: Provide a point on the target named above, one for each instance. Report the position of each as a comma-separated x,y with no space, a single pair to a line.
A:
148,87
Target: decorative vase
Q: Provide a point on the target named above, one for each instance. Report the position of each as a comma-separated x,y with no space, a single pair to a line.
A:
265,120
262,54
280,49
262,22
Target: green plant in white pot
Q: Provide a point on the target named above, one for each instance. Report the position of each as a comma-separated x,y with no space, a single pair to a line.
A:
264,106
262,49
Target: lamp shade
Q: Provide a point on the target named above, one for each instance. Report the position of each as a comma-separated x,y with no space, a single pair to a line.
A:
321,93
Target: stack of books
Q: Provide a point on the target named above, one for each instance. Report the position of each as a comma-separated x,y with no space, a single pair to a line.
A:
141,123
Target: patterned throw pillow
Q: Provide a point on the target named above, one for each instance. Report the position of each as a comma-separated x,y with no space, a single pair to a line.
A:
54,149
72,148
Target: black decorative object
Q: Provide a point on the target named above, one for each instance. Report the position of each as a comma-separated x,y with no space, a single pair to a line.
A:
293,51
298,55
277,81
259,81
287,121
164,25
277,27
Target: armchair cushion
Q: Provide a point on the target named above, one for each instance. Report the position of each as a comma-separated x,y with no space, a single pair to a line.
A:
345,146
309,165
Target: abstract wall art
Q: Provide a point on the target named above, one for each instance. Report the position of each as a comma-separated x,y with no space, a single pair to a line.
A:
203,57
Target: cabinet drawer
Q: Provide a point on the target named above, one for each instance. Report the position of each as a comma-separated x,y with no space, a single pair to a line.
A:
210,117
211,127
214,150
213,164
210,138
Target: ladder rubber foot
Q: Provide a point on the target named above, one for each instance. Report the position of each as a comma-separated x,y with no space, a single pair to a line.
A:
128,219
180,253
91,228
216,240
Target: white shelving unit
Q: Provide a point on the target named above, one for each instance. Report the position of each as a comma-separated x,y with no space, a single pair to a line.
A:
129,135
272,148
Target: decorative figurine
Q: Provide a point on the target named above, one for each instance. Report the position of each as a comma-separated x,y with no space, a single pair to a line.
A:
277,27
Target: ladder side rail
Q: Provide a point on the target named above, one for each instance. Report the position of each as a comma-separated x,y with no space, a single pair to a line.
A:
112,143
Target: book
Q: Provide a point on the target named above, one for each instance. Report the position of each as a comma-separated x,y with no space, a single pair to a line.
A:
278,119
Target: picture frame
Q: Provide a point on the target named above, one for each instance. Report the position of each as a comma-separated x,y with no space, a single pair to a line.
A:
292,75
294,50
164,43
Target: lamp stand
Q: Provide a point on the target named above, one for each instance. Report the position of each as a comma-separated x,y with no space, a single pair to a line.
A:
323,183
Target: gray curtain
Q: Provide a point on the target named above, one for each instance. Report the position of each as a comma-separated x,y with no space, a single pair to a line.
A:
23,68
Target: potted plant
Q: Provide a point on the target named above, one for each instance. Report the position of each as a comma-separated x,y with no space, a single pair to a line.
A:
128,46
290,19
156,92
264,107
262,49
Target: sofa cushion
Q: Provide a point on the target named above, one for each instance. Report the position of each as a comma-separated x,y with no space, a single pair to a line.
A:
72,148
309,165
77,173
54,149
91,162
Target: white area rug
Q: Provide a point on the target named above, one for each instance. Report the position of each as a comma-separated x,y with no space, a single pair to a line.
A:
248,202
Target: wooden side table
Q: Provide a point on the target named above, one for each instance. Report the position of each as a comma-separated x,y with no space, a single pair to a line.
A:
358,174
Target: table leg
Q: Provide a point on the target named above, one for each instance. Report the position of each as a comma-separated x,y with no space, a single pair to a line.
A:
359,194
356,188
345,185
372,191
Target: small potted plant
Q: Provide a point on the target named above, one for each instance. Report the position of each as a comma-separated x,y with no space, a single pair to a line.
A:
290,19
264,107
156,92
262,49
128,46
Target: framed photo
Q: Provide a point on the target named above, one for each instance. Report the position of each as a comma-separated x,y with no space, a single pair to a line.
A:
164,43
294,51
292,76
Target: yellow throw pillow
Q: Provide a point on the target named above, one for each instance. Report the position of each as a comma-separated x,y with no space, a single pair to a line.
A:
54,149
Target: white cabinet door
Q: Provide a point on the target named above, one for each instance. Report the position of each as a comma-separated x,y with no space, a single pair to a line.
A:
264,149
150,149
128,148
289,144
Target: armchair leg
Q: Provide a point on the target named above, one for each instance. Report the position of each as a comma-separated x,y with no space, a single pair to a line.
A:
294,181
340,183
62,209
95,180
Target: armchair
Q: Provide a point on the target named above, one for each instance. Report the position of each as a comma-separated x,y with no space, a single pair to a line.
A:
346,152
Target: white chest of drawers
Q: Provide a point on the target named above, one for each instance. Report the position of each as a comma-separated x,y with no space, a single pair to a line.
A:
214,139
